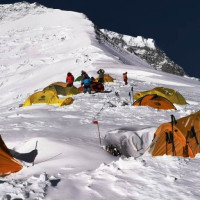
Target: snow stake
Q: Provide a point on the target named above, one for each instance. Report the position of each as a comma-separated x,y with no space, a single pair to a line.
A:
35,149
96,122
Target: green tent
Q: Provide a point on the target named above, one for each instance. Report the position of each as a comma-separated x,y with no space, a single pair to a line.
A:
78,79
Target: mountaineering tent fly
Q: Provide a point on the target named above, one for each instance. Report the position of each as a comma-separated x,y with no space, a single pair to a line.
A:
107,78
170,94
48,97
8,164
178,138
61,89
155,101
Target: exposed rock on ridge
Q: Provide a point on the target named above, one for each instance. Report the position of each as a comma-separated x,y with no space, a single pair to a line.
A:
144,48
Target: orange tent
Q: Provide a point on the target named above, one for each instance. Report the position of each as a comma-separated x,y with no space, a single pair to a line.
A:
8,164
155,101
168,93
178,138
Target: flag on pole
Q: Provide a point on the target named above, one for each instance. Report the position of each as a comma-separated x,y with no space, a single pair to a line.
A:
97,123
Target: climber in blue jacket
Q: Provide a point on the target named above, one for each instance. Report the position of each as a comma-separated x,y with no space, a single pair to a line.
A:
86,81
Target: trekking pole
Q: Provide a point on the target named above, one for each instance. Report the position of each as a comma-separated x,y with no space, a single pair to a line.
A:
35,149
96,122
195,135
173,122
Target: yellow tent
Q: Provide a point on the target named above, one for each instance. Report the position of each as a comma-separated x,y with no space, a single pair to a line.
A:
107,78
61,89
170,94
48,97
71,91
178,138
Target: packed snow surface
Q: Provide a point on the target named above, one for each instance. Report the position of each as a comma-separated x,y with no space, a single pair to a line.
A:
38,46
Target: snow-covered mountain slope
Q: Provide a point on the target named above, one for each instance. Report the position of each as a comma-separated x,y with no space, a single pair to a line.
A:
145,49
38,46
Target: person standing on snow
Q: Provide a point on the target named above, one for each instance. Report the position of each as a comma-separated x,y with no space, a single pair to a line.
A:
83,74
85,82
125,78
69,79
101,75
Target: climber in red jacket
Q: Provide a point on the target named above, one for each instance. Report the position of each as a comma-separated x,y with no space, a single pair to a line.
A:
69,79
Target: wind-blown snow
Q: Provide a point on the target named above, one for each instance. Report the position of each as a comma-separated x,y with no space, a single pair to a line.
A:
37,48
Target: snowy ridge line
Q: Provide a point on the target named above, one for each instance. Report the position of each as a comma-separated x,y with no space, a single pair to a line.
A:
138,41
146,49
124,56
12,12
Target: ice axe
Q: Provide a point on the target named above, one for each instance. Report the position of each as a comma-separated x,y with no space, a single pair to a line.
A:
97,123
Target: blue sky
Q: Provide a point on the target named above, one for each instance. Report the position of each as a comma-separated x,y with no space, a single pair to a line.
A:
173,24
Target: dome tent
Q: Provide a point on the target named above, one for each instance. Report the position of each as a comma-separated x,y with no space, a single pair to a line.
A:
61,89
154,101
178,138
8,164
170,94
49,97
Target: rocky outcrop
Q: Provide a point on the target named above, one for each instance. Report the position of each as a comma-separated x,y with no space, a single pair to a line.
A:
143,48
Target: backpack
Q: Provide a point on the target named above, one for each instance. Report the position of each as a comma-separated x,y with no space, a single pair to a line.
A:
86,81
